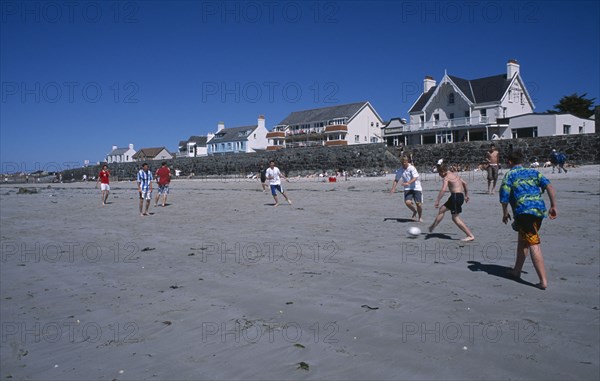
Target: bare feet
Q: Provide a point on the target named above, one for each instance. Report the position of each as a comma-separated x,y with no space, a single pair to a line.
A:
414,216
277,204
289,201
431,228
468,239
541,286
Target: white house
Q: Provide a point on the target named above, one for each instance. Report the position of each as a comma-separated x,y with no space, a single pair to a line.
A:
195,146
463,110
530,125
353,123
243,139
158,153
120,155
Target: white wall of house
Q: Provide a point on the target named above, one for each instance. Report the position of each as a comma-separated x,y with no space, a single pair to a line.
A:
366,126
257,140
515,101
126,157
193,150
551,124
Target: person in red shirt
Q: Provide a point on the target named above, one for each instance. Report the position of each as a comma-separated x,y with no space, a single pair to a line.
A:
163,178
104,180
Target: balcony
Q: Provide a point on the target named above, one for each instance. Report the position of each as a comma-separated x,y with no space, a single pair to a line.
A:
466,122
336,128
275,134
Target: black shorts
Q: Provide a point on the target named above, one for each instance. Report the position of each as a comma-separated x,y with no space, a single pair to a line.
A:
454,203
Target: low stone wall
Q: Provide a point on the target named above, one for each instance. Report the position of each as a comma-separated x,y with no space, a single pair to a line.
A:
369,158
580,149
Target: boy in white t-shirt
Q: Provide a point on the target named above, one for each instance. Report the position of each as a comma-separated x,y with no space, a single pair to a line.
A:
274,176
412,188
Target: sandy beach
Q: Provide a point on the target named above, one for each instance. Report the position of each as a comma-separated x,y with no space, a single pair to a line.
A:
222,285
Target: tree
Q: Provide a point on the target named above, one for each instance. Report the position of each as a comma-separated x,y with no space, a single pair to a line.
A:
575,104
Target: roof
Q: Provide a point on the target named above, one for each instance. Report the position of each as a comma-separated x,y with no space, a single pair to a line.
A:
422,101
118,151
395,123
480,90
149,152
233,134
323,114
199,140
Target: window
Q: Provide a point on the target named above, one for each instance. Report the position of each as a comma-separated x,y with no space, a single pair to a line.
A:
581,129
422,120
436,119
509,96
566,129
451,98
451,115
522,99
444,137
483,112
357,138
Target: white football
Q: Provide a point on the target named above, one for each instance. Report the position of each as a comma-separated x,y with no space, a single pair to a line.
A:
414,231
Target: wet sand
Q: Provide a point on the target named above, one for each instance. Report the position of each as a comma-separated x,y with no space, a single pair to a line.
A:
222,285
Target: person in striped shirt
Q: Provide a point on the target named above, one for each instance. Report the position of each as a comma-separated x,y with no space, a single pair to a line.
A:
144,181
522,188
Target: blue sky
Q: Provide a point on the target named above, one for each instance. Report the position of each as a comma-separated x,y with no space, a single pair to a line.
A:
78,77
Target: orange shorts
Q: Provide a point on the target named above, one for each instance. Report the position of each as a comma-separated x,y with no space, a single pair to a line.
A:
528,227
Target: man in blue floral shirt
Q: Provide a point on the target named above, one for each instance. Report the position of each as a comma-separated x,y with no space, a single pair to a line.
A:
523,188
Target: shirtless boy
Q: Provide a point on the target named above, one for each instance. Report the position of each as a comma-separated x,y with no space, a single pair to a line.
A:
458,194
492,158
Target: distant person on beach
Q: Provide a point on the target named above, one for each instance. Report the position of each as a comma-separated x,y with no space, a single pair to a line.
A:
523,188
558,159
104,180
262,171
274,176
459,194
492,158
163,179
413,193
144,181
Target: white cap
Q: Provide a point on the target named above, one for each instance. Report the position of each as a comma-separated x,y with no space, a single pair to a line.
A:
440,162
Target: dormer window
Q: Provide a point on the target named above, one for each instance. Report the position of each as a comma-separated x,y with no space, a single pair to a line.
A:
451,98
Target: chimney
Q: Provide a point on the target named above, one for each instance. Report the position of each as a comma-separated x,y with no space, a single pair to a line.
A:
130,146
114,148
220,126
512,68
428,83
261,121
209,136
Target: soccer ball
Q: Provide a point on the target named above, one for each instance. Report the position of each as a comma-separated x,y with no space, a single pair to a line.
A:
413,231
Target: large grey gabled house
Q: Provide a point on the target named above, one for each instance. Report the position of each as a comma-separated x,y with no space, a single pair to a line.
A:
459,109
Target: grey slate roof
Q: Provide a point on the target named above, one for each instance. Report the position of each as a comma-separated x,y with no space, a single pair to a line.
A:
118,151
480,90
199,140
322,114
422,101
232,134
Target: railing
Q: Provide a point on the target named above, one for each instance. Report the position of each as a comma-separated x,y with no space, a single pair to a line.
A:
450,123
